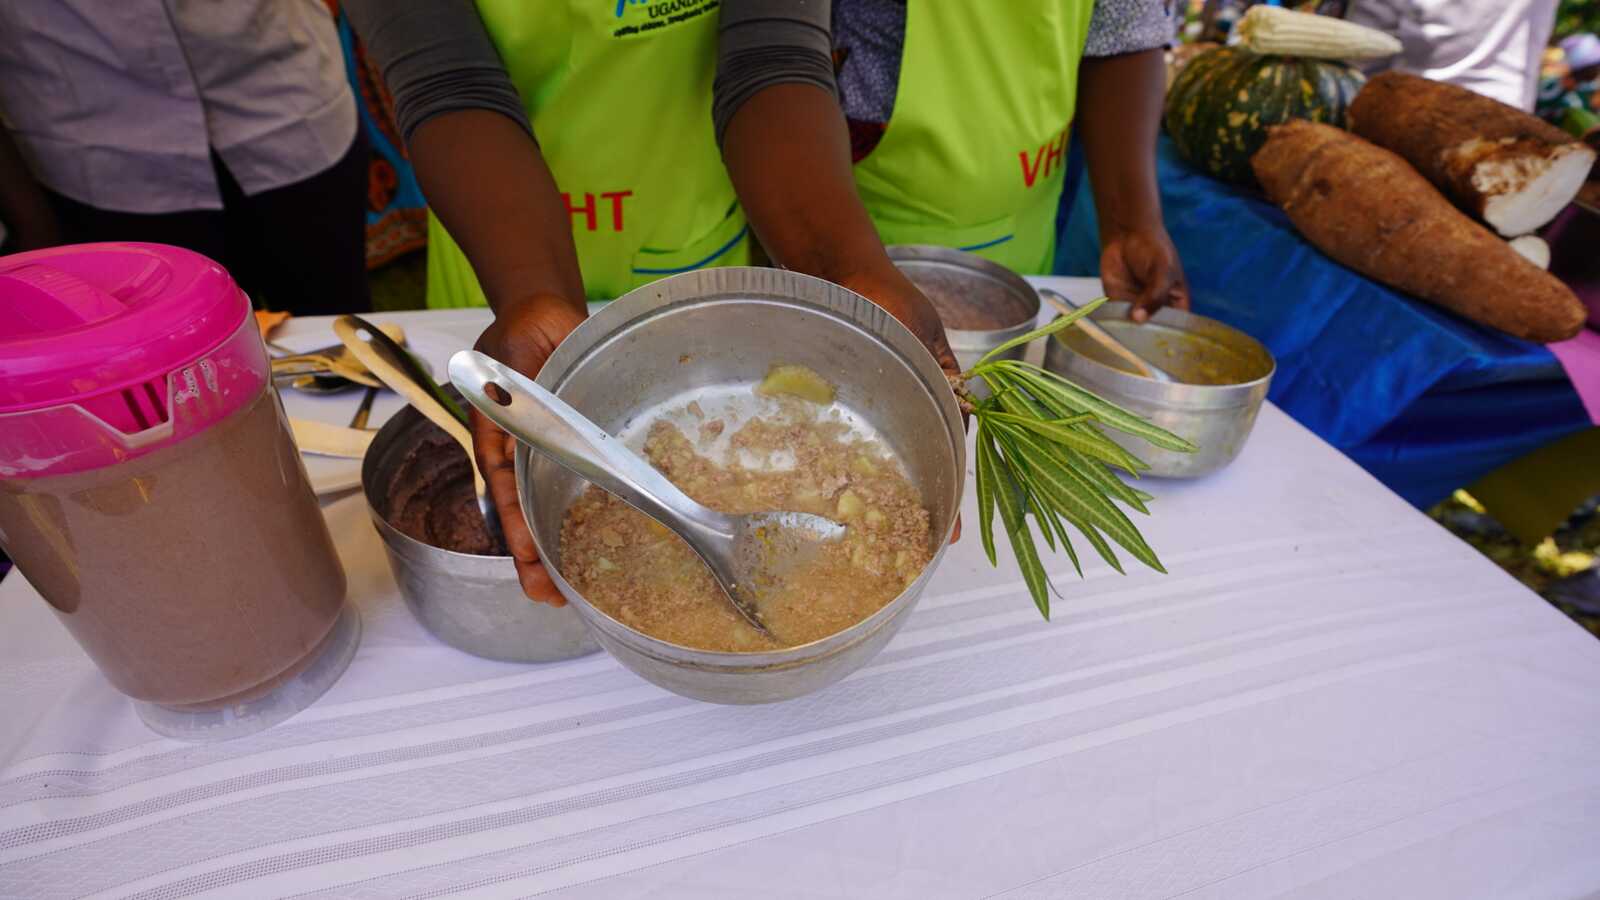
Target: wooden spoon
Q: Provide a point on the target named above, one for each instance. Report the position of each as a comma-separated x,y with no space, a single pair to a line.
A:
400,373
1104,338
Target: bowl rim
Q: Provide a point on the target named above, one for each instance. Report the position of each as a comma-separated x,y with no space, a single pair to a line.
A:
709,286
987,268
388,436
1203,396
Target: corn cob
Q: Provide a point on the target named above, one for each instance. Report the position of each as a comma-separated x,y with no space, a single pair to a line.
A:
1283,32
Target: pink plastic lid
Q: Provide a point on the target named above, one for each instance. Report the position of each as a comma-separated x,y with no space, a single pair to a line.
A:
102,317
110,351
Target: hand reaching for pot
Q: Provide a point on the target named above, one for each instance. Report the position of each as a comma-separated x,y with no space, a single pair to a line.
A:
1142,267
895,293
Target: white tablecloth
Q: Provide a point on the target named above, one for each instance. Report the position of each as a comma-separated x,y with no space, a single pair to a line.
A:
1328,697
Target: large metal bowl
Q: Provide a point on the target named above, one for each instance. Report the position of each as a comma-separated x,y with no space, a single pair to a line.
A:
714,334
473,603
1216,417
959,276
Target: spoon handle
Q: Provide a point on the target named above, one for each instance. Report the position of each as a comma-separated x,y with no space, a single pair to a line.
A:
364,411
349,329
1099,335
546,423
387,343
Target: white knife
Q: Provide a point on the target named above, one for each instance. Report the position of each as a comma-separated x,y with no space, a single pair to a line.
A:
330,440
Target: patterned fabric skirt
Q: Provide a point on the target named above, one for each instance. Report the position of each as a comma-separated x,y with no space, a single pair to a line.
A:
397,215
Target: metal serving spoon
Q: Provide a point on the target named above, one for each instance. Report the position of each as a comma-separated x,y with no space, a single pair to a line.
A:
401,373
1106,339
328,370
321,383
746,554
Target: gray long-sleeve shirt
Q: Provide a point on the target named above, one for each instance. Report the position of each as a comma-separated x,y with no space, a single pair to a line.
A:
437,58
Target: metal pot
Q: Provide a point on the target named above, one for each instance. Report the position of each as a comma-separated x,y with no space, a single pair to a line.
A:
958,276
473,603
1216,417
714,334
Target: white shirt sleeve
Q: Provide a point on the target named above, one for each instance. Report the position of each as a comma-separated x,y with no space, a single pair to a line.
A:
1493,47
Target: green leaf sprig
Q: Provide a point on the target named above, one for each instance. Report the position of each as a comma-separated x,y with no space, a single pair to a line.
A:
1043,454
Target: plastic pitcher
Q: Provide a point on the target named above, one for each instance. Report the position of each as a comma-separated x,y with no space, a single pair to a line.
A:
151,491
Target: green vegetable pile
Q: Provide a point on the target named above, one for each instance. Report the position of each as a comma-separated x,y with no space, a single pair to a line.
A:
1042,454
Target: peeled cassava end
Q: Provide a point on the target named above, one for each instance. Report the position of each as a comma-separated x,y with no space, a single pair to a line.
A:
1523,191
1532,248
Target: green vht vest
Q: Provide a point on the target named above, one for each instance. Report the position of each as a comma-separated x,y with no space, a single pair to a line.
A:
975,151
619,93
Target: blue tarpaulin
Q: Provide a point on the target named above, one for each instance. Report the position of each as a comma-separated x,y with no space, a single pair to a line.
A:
1425,401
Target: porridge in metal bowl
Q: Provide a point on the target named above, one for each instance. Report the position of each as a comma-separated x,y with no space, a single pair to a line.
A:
794,456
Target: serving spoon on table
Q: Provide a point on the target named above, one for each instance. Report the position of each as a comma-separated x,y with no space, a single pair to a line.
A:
747,554
400,372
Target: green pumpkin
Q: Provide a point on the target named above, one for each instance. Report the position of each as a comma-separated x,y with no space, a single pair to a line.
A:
1223,101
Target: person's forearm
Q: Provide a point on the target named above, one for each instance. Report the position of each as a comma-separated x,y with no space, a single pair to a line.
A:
23,206
788,154
486,181
1119,117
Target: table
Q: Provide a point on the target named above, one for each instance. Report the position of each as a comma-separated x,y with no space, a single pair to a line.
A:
1424,400
1329,696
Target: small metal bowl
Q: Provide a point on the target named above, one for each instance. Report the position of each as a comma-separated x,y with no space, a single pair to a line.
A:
1217,417
964,283
711,335
473,603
